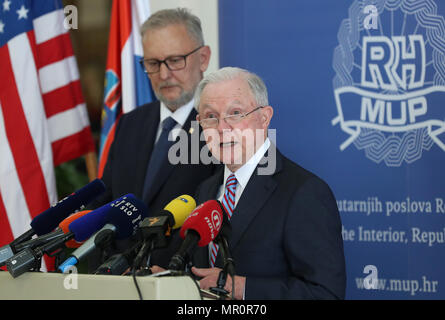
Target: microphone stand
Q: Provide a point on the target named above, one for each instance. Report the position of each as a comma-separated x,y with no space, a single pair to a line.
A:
220,284
104,241
228,269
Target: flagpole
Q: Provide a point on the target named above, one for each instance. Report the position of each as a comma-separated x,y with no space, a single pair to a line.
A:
91,165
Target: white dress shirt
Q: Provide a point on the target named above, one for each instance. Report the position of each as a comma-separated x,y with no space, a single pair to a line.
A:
244,173
180,115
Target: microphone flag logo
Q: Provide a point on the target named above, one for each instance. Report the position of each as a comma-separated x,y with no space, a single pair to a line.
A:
216,219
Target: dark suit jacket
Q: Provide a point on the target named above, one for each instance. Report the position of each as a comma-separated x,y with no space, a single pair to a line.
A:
127,163
286,235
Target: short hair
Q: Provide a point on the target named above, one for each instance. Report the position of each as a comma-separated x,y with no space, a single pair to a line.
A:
166,17
256,84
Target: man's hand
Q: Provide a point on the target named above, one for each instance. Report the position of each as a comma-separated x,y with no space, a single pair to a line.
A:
210,277
156,269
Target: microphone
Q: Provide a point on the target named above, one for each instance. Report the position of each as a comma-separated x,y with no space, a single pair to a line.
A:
222,240
65,224
156,231
200,228
49,219
229,265
28,258
46,221
59,232
46,238
116,220
119,263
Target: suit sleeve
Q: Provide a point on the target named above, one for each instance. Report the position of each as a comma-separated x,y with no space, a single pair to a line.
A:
313,247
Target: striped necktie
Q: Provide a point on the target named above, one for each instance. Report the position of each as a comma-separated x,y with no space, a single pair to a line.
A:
228,202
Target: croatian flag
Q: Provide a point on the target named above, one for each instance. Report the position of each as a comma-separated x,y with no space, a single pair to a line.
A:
43,117
126,84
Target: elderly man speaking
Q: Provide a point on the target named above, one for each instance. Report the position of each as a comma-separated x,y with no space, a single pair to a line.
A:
286,230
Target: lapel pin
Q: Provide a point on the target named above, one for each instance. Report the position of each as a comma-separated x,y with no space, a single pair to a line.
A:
191,130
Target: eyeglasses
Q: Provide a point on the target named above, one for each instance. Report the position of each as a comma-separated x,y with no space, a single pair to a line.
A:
173,63
230,119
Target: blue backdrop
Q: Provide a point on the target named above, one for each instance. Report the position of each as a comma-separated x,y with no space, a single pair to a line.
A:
358,93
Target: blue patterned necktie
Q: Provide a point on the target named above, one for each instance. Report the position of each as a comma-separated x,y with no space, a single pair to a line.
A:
228,202
159,155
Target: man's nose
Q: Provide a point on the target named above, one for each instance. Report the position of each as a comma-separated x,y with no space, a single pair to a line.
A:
164,71
223,125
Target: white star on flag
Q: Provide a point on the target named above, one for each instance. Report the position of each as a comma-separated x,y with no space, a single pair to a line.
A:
2,26
6,5
23,12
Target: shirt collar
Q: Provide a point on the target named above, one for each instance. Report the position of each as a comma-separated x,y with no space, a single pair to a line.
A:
244,173
180,115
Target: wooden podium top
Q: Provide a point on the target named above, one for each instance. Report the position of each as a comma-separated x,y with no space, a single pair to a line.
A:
57,286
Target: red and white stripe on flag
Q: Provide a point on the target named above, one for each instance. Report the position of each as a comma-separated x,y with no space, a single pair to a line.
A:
126,84
43,117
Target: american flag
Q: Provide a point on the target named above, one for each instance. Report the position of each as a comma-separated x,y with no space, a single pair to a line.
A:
43,117
126,84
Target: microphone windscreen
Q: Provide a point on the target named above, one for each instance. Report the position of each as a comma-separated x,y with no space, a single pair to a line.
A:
126,216
124,213
180,208
206,220
64,225
50,218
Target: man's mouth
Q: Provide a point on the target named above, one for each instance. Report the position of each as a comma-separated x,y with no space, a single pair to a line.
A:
227,144
167,85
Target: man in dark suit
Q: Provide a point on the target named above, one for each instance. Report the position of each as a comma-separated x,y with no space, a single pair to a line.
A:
175,59
286,230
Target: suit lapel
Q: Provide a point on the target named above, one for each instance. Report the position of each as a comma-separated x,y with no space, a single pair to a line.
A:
209,188
257,192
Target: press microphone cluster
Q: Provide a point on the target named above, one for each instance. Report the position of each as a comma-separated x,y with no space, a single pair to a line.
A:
116,220
153,233
126,218
43,224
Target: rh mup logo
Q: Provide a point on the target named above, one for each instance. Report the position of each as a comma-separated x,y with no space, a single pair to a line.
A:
389,85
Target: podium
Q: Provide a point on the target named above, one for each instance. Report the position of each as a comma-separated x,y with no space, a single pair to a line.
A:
57,286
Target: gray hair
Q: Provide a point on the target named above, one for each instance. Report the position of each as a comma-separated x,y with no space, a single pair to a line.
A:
256,85
164,18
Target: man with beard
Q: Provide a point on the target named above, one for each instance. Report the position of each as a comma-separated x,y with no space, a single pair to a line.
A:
175,58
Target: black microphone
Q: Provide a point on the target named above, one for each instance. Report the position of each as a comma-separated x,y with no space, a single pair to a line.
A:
120,262
57,233
29,259
155,232
39,241
48,220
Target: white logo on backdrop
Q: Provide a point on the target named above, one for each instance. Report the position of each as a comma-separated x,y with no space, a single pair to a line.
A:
389,85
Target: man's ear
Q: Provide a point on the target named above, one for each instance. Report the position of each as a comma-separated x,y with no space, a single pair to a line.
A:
266,116
204,56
